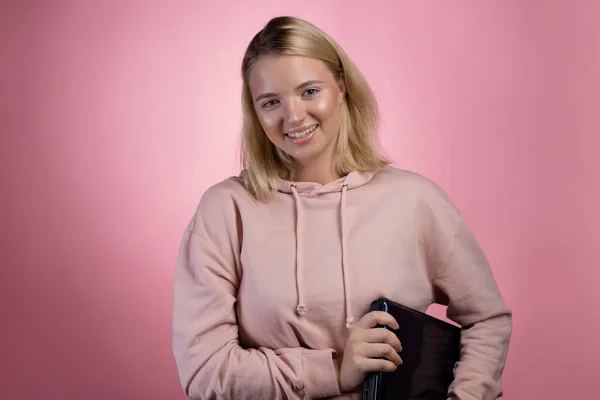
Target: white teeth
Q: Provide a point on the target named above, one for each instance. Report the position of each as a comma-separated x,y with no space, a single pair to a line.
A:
305,132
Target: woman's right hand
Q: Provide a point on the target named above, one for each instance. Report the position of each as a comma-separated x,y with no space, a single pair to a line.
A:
369,349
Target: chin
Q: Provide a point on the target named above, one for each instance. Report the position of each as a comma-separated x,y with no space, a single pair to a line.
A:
309,155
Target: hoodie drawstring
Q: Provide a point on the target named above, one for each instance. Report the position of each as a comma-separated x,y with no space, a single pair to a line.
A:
349,317
302,308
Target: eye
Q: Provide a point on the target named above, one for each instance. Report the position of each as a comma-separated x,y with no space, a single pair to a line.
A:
269,104
311,92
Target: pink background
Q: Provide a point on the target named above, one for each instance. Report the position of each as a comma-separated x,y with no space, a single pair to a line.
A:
116,116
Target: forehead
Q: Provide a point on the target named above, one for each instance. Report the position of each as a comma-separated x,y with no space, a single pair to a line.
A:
283,72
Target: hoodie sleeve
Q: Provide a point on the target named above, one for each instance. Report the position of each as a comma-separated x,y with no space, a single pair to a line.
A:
209,358
465,283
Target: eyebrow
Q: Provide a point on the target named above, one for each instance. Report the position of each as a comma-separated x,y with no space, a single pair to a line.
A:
301,86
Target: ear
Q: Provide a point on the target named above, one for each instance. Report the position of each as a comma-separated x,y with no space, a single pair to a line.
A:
342,87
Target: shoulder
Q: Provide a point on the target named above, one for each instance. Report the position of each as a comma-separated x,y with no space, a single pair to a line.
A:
420,192
226,190
219,204
410,183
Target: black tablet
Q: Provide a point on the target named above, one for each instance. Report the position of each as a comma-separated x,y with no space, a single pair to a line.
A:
430,350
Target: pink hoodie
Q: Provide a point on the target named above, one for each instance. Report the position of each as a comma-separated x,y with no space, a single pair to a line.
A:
264,292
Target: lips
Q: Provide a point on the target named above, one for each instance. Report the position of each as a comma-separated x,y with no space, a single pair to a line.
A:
300,132
303,136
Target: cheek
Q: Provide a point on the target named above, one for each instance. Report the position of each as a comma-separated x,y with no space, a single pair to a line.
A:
326,108
271,124
268,120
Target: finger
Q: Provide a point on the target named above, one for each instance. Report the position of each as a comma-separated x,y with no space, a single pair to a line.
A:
374,318
377,365
381,335
378,350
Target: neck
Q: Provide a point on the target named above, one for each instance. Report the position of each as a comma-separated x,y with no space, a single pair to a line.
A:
321,174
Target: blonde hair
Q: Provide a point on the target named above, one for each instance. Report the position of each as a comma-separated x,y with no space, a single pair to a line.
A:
356,148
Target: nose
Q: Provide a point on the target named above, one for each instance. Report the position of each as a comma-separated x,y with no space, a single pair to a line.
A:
294,112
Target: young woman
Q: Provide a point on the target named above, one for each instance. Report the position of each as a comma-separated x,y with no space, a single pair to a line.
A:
278,266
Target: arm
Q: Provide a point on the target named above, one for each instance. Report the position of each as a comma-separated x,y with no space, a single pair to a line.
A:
209,359
468,287
463,280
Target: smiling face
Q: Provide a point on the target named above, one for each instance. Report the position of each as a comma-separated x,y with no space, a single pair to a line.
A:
298,103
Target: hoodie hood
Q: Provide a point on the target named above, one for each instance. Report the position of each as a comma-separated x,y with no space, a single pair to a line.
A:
352,180
298,190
